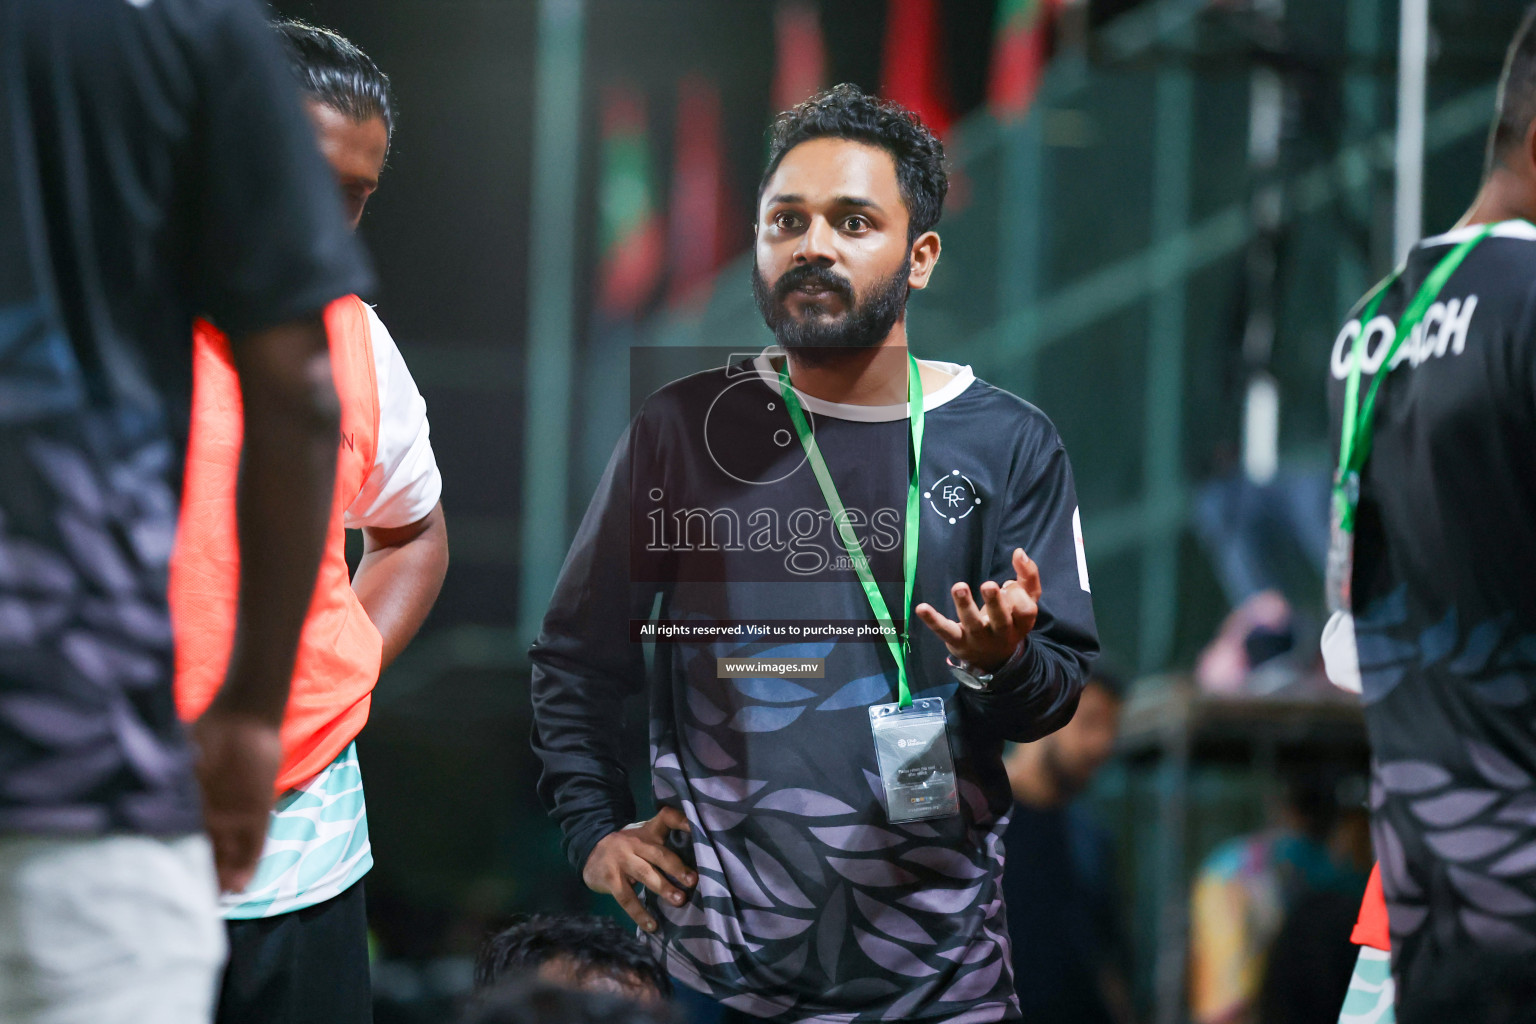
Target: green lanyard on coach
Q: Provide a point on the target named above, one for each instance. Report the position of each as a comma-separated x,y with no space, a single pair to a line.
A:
900,645
1359,420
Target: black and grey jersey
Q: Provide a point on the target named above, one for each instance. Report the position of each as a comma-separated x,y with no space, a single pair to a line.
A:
157,166
811,905
1444,596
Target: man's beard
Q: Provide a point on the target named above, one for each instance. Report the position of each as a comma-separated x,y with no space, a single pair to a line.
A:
817,338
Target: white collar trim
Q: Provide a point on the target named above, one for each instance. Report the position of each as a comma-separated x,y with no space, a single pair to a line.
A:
961,378
1503,229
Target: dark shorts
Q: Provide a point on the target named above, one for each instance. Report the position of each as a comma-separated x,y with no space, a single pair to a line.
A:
306,967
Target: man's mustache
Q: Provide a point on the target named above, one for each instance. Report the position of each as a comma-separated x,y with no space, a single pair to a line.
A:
809,275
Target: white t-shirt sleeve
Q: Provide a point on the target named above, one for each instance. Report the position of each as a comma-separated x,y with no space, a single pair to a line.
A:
404,484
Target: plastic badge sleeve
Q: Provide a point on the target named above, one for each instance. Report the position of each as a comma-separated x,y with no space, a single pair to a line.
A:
916,766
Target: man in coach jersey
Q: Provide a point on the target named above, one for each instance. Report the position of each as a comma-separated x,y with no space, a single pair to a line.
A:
1431,572
298,932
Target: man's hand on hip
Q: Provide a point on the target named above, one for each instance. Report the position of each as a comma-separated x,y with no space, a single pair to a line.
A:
639,855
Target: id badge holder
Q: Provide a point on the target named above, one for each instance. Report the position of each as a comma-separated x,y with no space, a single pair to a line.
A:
1341,544
916,767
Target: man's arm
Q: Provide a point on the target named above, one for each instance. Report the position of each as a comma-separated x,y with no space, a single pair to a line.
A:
1033,628
400,576
399,507
584,666
287,474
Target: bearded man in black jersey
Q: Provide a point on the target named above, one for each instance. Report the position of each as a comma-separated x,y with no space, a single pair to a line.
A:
1433,578
828,845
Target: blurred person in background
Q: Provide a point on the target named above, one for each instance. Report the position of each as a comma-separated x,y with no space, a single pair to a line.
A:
592,953
1432,387
534,1000
157,166
1252,887
1059,877
298,933
802,898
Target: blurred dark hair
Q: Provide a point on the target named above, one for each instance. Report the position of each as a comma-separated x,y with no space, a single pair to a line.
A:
590,945
1517,93
331,69
846,112
531,1001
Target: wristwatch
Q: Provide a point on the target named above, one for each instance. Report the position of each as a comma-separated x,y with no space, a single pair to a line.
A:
969,675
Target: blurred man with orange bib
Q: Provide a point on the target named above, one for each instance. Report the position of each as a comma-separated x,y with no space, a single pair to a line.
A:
298,933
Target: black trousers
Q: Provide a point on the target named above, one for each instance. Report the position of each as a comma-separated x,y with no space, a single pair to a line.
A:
306,967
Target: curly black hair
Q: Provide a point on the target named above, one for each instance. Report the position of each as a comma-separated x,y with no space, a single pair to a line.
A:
847,112
531,1001
330,68
591,945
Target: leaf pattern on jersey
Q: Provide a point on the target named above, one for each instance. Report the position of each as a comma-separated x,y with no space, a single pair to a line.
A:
1455,808
1412,777
1481,645
1490,895
857,838
772,690
718,819
1455,828
890,921
1521,862
858,694
727,789
1520,811
703,709
809,902
87,521
976,984
764,719
708,752
893,956
890,900
776,878
1497,932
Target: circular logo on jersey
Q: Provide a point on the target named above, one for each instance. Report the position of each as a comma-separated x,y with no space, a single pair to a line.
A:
954,496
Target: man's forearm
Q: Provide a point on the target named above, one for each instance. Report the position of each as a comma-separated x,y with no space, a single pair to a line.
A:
400,576
287,480
578,713
1035,693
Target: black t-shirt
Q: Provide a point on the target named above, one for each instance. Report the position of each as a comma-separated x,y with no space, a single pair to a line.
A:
1445,606
156,165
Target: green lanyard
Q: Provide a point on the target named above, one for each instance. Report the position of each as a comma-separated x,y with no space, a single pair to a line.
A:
902,646
1355,437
